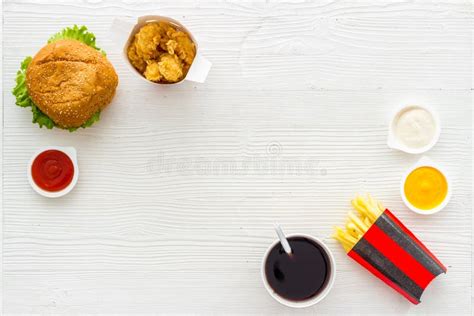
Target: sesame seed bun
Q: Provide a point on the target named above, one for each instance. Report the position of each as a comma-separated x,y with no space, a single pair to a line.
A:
70,82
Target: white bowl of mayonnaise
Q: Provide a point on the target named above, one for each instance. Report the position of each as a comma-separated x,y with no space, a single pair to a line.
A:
414,129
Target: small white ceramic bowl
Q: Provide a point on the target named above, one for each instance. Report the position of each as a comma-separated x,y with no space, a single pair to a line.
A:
425,162
394,143
313,300
72,154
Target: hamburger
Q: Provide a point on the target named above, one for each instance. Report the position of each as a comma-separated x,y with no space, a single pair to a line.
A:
68,82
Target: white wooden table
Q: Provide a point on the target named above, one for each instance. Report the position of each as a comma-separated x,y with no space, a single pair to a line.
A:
180,186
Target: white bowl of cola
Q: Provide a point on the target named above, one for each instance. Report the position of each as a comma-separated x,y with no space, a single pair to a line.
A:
302,277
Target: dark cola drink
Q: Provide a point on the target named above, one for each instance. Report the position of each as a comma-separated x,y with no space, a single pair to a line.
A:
299,276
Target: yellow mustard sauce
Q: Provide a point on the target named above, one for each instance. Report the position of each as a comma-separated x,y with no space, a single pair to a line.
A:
426,188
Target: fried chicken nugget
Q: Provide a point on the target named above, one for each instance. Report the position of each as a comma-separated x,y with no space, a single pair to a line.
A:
161,53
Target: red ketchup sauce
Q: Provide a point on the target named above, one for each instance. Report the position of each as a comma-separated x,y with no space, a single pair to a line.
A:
52,170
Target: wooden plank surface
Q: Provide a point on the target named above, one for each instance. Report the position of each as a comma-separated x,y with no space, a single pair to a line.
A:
180,186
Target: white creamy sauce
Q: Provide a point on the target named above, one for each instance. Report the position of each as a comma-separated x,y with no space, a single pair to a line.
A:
415,127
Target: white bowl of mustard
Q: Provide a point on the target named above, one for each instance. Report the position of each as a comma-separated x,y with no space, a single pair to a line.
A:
425,188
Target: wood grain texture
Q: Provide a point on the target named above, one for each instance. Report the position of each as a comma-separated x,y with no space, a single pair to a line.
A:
180,186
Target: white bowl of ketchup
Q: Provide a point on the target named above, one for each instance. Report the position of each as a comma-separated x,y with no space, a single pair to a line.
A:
53,171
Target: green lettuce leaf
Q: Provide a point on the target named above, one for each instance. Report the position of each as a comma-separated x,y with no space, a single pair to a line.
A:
23,98
76,33
21,92
94,118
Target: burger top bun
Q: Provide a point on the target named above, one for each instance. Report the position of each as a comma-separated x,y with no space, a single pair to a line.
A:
70,82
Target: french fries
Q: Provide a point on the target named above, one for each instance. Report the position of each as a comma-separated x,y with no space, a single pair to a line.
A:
368,210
